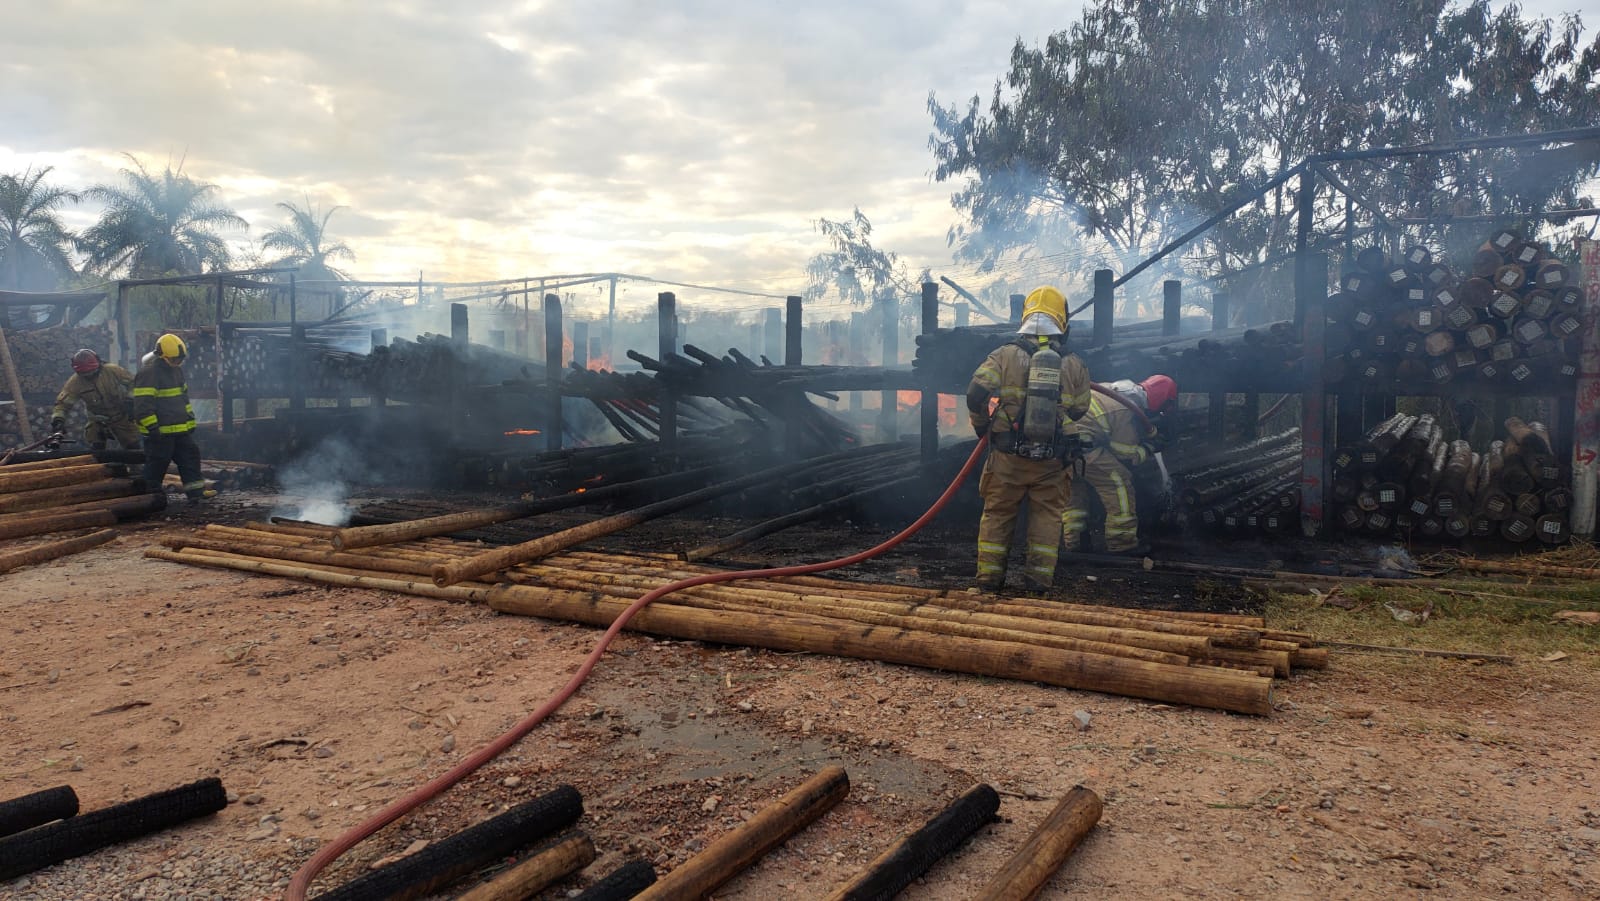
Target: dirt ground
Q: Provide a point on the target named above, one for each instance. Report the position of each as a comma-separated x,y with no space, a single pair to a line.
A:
1381,777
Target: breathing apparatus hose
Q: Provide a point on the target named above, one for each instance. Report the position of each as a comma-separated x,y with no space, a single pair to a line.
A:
301,883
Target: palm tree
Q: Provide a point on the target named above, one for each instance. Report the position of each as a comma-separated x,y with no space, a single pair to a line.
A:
303,242
33,241
158,224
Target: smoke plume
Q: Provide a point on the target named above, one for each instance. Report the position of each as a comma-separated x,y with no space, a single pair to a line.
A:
314,486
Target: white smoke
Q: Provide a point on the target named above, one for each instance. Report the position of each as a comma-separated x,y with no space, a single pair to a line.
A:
314,487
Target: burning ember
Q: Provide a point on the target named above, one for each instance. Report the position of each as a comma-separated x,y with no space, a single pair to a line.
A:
522,432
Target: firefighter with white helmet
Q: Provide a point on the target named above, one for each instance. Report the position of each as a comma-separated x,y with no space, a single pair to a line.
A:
1040,389
165,417
1123,439
102,388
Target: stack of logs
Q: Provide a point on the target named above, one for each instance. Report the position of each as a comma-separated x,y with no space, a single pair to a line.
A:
1405,479
66,494
1250,489
1219,661
1511,316
42,357
1267,355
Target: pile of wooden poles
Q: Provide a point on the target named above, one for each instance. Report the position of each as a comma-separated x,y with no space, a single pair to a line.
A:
1405,479
1508,316
1219,661
66,494
1253,488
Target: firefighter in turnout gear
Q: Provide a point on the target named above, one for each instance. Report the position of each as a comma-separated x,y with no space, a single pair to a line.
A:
161,408
1040,389
102,388
1123,441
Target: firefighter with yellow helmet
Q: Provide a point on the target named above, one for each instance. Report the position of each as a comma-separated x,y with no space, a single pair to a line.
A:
1040,389
166,419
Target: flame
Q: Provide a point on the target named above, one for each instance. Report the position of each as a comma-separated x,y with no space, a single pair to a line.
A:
580,491
911,401
599,363
522,432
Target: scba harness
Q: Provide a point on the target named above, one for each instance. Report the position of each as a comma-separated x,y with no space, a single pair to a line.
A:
1037,434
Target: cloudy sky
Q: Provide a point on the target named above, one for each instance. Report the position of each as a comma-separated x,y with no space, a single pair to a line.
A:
693,140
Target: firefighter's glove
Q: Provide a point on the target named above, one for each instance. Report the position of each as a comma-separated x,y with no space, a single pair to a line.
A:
58,425
54,442
980,426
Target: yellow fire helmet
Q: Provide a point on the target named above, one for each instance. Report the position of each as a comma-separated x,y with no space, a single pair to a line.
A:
1049,301
171,348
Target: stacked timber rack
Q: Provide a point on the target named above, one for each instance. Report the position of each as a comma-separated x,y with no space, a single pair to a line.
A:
40,358
1250,489
1404,479
1511,317
1210,660
79,495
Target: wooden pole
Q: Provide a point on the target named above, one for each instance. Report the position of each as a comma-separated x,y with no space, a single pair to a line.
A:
53,550
907,859
1018,301
889,409
667,337
15,385
929,403
553,369
1585,458
1171,306
447,524
37,479
1311,276
538,872
1198,686
504,557
1025,875
1104,307
580,343
792,332
625,882
702,874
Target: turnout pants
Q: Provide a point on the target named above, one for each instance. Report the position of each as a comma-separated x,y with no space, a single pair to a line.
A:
162,450
97,434
1006,480
1106,481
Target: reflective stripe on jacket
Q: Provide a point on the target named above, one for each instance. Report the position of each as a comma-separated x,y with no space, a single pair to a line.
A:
161,400
1116,428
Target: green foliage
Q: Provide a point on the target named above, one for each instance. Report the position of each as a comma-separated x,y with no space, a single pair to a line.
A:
1124,129
158,224
34,243
856,271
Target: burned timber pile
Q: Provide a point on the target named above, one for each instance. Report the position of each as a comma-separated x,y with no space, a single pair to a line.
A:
1509,317
1219,661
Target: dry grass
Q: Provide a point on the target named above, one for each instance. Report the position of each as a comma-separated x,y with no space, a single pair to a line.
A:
1479,616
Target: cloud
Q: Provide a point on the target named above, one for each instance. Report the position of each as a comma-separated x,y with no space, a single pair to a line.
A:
695,140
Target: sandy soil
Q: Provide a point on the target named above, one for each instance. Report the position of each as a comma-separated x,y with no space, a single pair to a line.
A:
1379,778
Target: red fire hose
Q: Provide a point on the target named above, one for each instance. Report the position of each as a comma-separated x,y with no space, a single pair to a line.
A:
331,852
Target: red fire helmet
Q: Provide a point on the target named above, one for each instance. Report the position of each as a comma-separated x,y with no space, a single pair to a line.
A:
85,361
1159,391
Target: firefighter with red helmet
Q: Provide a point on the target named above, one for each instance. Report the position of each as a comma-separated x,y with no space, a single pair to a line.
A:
1125,437
1041,390
162,410
102,388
